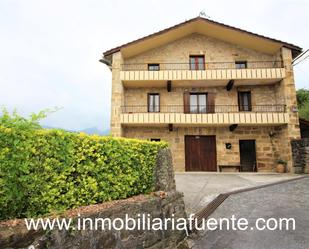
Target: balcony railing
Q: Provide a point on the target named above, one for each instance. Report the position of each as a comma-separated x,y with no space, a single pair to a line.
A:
201,67
203,109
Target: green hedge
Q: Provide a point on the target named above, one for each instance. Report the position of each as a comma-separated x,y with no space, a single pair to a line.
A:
43,171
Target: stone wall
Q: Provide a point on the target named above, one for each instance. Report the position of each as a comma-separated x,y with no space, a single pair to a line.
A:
214,50
286,91
165,203
300,149
266,145
117,97
261,95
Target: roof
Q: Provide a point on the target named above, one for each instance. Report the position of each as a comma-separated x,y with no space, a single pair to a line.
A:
295,49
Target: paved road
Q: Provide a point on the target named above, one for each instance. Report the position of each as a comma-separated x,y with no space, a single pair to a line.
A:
201,188
289,200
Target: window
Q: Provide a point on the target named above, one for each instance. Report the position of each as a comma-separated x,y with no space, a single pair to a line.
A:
155,139
153,102
197,62
244,101
198,102
240,64
153,67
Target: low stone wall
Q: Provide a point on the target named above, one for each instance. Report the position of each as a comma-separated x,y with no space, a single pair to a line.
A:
164,172
166,202
300,149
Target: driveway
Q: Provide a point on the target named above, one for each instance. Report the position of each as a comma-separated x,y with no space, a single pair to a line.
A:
201,188
284,200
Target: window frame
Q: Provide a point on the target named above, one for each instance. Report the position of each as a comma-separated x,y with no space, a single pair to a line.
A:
237,63
154,106
241,106
155,139
196,62
149,65
198,100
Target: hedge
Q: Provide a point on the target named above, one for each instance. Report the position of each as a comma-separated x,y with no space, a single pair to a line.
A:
44,171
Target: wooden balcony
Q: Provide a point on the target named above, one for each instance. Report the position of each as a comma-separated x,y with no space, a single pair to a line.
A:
223,115
268,71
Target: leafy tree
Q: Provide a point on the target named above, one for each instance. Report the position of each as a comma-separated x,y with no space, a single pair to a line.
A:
303,103
302,96
304,111
14,120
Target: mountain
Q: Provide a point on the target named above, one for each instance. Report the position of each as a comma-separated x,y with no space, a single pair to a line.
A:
95,130
90,131
51,127
106,132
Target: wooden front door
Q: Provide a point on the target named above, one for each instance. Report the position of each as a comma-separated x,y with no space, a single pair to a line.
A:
200,153
247,155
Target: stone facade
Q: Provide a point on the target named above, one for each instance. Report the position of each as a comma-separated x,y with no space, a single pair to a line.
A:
286,90
117,96
195,44
261,95
272,142
265,144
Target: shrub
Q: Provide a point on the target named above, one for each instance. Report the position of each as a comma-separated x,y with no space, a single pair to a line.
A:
43,171
304,111
303,103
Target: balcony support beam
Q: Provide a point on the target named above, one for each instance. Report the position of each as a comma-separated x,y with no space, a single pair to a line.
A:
170,127
233,127
169,85
230,85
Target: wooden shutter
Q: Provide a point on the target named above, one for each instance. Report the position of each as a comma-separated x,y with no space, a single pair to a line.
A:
249,102
148,102
210,103
240,102
186,102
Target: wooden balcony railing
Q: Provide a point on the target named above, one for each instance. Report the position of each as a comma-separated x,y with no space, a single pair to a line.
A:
203,109
201,67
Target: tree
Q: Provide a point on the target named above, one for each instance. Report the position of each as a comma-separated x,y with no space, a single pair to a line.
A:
15,120
303,103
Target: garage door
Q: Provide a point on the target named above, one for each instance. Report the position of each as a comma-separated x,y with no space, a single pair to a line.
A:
200,153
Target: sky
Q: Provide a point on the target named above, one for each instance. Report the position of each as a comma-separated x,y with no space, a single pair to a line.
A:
50,48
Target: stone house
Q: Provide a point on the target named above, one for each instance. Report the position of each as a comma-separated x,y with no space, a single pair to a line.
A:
224,98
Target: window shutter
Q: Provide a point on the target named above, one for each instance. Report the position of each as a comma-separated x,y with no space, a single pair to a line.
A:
249,102
210,103
186,102
240,102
